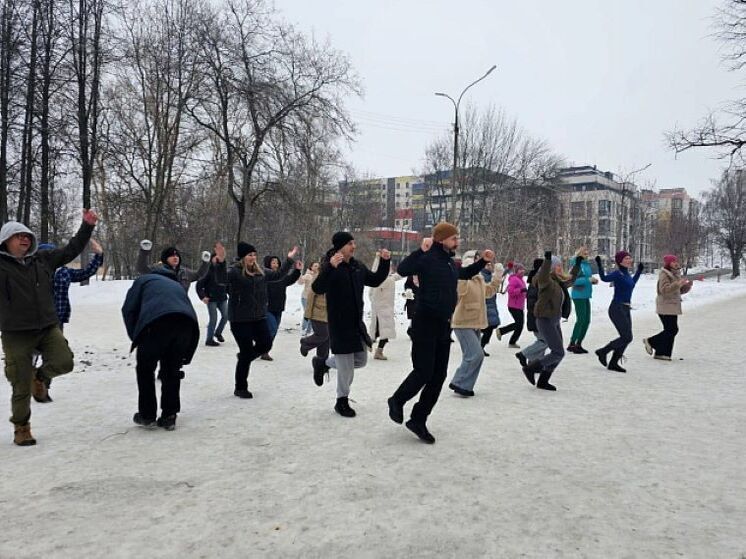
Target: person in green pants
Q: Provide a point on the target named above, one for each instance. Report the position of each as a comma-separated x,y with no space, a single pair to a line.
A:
582,291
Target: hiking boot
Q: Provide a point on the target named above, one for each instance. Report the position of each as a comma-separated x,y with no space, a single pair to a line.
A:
460,391
220,338
614,363
420,430
521,359
39,390
212,343
319,370
531,370
648,347
379,355
22,435
342,407
142,421
396,411
543,381
168,422
601,354
245,394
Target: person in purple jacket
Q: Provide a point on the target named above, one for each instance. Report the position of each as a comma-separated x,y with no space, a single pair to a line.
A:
619,309
516,303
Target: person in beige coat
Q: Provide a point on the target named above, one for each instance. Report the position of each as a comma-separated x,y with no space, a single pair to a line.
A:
382,321
469,319
668,306
315,313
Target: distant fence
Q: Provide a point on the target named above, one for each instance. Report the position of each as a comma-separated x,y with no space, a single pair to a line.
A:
722,272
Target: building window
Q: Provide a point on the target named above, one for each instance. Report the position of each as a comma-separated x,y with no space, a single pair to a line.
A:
604,227
577,209
604,208
677,204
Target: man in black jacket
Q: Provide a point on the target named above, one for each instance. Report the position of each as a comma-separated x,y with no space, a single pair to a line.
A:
431,328
162,325
215,296
277,296
342,279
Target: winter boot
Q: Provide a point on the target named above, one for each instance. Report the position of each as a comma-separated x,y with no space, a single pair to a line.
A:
304,349
420,430
168,422
572,348
22,435
614,363
342,407
245,394
601,354
143,421
39,390
485,352
460,391
543,381
319,370
220,338
521,359
530,371
396,411
580,349
379,354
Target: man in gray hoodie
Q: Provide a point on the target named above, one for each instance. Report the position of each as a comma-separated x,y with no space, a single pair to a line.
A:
28,319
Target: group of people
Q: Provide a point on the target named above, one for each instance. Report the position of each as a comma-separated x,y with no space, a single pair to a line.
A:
442,296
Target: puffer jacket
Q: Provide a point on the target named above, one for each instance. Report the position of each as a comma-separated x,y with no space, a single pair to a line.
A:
26,284
668,299
471,310
552,299
516,292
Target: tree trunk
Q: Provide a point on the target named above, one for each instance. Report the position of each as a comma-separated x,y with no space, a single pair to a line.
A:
6,58
24,199
735,258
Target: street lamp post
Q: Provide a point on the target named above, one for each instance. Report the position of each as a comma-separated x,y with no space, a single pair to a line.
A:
456,105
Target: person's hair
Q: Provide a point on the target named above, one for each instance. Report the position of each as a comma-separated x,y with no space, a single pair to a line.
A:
253,270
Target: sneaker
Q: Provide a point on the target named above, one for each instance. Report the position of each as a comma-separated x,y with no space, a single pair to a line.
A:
498,334
245,394
662,358
342,407
648,347
601,354
22,435
220,338
521,359
460,391
142,421
396,411
420,430
168,423
212,343
546,386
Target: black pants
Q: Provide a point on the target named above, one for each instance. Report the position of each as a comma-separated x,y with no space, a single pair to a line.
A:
663,342
620,316
487,335
516,327
167,340
431,348
253,339
319,340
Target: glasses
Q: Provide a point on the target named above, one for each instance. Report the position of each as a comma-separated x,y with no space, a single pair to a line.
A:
20,236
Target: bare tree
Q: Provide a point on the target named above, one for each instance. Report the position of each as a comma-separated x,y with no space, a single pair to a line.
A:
725,216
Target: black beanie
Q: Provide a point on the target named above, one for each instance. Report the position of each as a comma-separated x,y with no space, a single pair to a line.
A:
340,239
244,248
168,252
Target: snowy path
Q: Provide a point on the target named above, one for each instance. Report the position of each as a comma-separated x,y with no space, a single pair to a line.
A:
648,464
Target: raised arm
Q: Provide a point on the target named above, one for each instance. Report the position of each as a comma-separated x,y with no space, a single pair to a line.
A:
640,268
88,271
374,279
410,265
470,271
201,272
60,257
601,274
544,275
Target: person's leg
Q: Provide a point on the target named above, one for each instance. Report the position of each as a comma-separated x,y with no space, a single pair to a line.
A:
552,334
149,350
487,335
424,345
505,329
431,391
212,313
318,338
55,353
305,325
242,334
345,365
578,304
472,358
670,329
658,342
517,315
535,350
19,348
171,362
382,343
583,313
222,306
620,318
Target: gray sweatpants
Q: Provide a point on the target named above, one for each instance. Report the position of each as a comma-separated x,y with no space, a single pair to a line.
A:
346,363
549,329
535,350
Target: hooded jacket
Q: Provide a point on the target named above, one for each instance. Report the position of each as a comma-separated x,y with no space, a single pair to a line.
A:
552,301
276,290
153,296
26,284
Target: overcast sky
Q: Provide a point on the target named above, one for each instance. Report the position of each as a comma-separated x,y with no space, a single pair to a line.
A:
601,81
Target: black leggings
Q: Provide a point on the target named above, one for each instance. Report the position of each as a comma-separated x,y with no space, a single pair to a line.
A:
253,339
620,316
516,327
487,335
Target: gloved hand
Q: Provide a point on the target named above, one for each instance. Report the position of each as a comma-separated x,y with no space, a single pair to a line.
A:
499,268
548,255
579,259
598,260
640,267
408,295
145,244
206,256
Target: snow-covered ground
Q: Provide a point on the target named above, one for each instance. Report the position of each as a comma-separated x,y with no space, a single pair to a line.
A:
648,464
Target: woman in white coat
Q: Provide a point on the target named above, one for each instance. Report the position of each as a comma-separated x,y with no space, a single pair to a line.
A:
382,322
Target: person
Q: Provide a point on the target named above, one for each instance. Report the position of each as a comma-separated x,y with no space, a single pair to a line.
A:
306,280
28,318
535,350
247,306
277,296
411,287
171,259
493,315
619,309
162,325
468,322
552,286
215,296
342,279
516,302
671,286
315,313
382,321
582,291
431,330
63,277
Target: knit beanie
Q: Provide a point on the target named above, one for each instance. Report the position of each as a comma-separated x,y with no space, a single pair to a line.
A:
556,261
244,248
340,239
619,256
669,259
169,252
443,230
517,267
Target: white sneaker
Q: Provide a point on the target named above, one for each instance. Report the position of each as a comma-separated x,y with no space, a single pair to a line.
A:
647,345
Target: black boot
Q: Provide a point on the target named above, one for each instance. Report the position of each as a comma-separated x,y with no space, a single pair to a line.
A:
530,371
521,359
167,422
460,391
601,354
245,394
420,430
143,421
572,348
614,363
580,349
342,407
396,411
543,381
319,370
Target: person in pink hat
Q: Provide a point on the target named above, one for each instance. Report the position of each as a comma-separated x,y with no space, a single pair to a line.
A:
671,286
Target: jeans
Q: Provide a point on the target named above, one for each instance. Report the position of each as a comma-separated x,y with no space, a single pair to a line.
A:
212,310
535,350
431,348
620,316
549,329
346,363
473,356
253,340
516,327
663,342
582,320
273,323
305,327
319,340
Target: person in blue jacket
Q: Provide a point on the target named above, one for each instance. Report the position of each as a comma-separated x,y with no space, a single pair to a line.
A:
582,291
619,309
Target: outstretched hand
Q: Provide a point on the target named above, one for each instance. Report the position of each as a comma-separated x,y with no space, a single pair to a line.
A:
90,217
385,254
336,260
640,267
598,260
488,255
295,251
96,247
219,252
427,244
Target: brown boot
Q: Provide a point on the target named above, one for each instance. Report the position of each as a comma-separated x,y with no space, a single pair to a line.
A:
23,436
39,390
379,354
